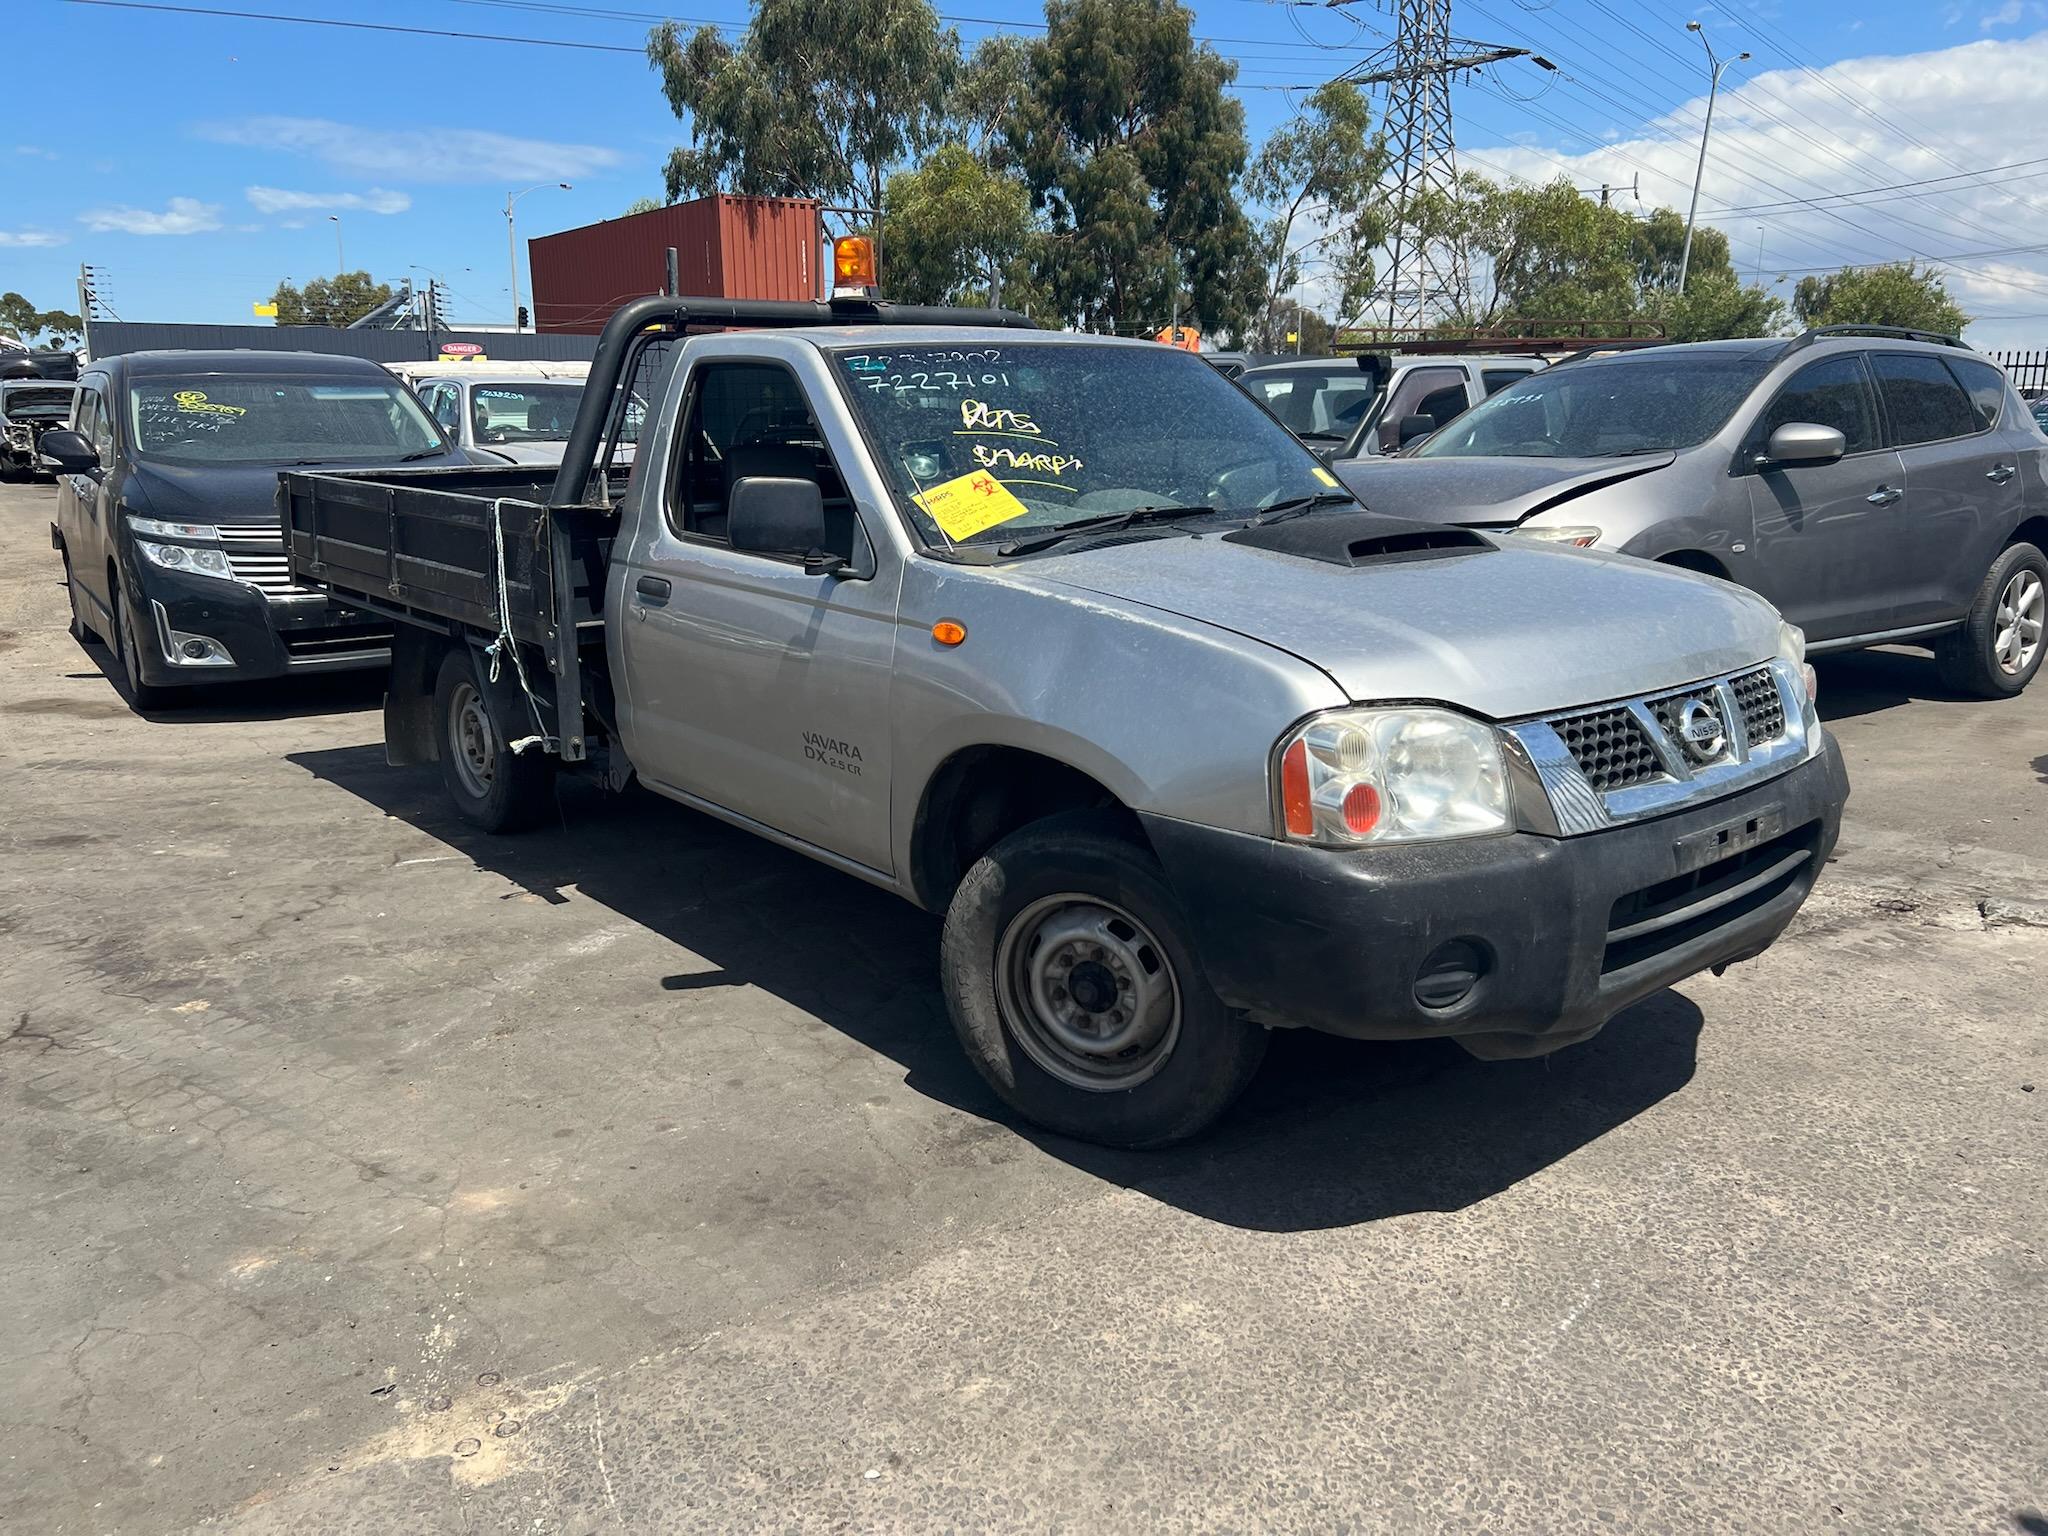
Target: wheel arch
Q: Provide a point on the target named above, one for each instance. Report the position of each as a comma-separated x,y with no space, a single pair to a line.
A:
2034,531
981,794
1695,560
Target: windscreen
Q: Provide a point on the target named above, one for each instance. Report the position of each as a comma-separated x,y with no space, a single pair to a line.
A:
37,402
524,413
213,419
1604,409
983,443
1315,403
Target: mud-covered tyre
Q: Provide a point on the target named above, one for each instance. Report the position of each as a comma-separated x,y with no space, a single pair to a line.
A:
1999,648
126,641
1069,972
492,786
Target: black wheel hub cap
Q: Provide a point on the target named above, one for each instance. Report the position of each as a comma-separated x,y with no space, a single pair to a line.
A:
1092,986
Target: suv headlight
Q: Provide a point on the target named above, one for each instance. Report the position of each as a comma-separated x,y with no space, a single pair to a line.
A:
1356,776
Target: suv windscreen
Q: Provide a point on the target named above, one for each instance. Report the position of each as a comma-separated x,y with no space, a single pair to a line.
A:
1322,403
37,402
1605,408
215,419
981,443
523,413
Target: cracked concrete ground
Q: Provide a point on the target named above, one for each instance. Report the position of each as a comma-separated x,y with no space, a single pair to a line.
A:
364,1174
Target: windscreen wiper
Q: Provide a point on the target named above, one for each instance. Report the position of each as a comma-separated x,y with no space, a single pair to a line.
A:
1296,506
1115,522
422,453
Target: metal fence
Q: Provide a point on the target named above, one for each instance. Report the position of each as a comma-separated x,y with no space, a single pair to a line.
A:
110,338
2027,370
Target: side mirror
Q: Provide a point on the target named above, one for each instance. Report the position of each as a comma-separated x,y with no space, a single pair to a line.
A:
767,515
67,452
1412,428
1803,442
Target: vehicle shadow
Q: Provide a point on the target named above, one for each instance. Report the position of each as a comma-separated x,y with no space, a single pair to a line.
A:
1864,682
277,698
1332,1133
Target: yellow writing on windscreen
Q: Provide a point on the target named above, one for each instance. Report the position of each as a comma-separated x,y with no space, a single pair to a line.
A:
1324,475
970,503
194,402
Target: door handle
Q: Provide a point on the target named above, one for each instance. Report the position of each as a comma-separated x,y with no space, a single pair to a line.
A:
1998,474
652,591
1884,495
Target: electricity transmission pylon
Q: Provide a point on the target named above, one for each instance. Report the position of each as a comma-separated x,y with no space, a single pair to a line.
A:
1427,272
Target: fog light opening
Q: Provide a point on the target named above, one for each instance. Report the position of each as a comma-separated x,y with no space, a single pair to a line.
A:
1450,973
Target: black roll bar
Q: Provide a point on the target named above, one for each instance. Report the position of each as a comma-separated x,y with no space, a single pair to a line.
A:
615,350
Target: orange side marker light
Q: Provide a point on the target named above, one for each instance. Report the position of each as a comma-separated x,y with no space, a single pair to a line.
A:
949,632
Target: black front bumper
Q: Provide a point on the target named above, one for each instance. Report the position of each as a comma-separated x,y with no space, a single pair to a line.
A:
268,636
1565,932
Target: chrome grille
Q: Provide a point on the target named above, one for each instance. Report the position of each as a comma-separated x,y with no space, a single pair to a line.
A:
1610,748
1763,708
256,556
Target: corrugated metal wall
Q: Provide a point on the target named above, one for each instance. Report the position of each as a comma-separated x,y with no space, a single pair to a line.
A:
732,247
110,338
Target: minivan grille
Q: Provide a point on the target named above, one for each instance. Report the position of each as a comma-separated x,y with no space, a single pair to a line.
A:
256,555
1610,748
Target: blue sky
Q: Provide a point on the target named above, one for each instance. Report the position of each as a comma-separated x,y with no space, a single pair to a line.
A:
206,153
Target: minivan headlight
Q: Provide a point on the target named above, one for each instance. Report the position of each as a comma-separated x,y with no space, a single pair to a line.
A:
199,559
1356,776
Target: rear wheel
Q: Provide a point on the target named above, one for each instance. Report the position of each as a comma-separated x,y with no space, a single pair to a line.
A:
492,786
1073,986
1999,648
128,639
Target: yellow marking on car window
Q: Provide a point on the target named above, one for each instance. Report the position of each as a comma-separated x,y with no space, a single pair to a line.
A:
967,504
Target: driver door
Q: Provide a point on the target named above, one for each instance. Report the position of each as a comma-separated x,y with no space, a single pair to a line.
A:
1823,532
748,683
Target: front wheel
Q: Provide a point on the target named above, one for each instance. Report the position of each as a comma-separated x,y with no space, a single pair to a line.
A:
1998,650
80,630
1072,982
129,638
492,786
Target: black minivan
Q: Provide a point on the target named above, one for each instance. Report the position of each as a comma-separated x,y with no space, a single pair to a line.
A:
167,509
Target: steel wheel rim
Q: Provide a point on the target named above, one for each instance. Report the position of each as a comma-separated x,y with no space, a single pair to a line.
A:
1088,992
2021,608
472,748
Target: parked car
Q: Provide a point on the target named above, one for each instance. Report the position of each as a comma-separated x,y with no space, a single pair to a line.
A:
167,509
1372,404
28,409
1876,486
514,417
1064,638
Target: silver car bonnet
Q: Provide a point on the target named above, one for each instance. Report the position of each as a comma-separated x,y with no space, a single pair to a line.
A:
1503,633
1483,492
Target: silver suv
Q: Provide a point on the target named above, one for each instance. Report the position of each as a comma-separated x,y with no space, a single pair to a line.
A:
1877,486
1349,407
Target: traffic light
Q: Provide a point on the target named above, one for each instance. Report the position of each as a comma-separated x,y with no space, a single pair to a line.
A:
520,317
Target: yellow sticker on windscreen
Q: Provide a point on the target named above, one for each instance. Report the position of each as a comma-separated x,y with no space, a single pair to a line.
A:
1324,475
970,503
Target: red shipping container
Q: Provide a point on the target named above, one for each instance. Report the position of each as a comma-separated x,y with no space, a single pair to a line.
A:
726,247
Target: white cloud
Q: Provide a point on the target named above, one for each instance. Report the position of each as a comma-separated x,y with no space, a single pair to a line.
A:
2004,16
181,216
277,200
28,238
1784,138
443,155
37,151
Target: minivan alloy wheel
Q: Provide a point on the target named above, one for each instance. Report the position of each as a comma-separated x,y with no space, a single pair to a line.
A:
1088,992
2022,606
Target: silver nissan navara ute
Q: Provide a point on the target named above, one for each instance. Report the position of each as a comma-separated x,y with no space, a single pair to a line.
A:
1064,638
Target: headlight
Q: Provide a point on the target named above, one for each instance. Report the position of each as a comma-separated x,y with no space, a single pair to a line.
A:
1584,537
1792,651
1391,776
199,560
151,528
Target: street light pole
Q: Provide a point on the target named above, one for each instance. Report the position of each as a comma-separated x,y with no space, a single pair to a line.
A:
340,266
512,239
1715,66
